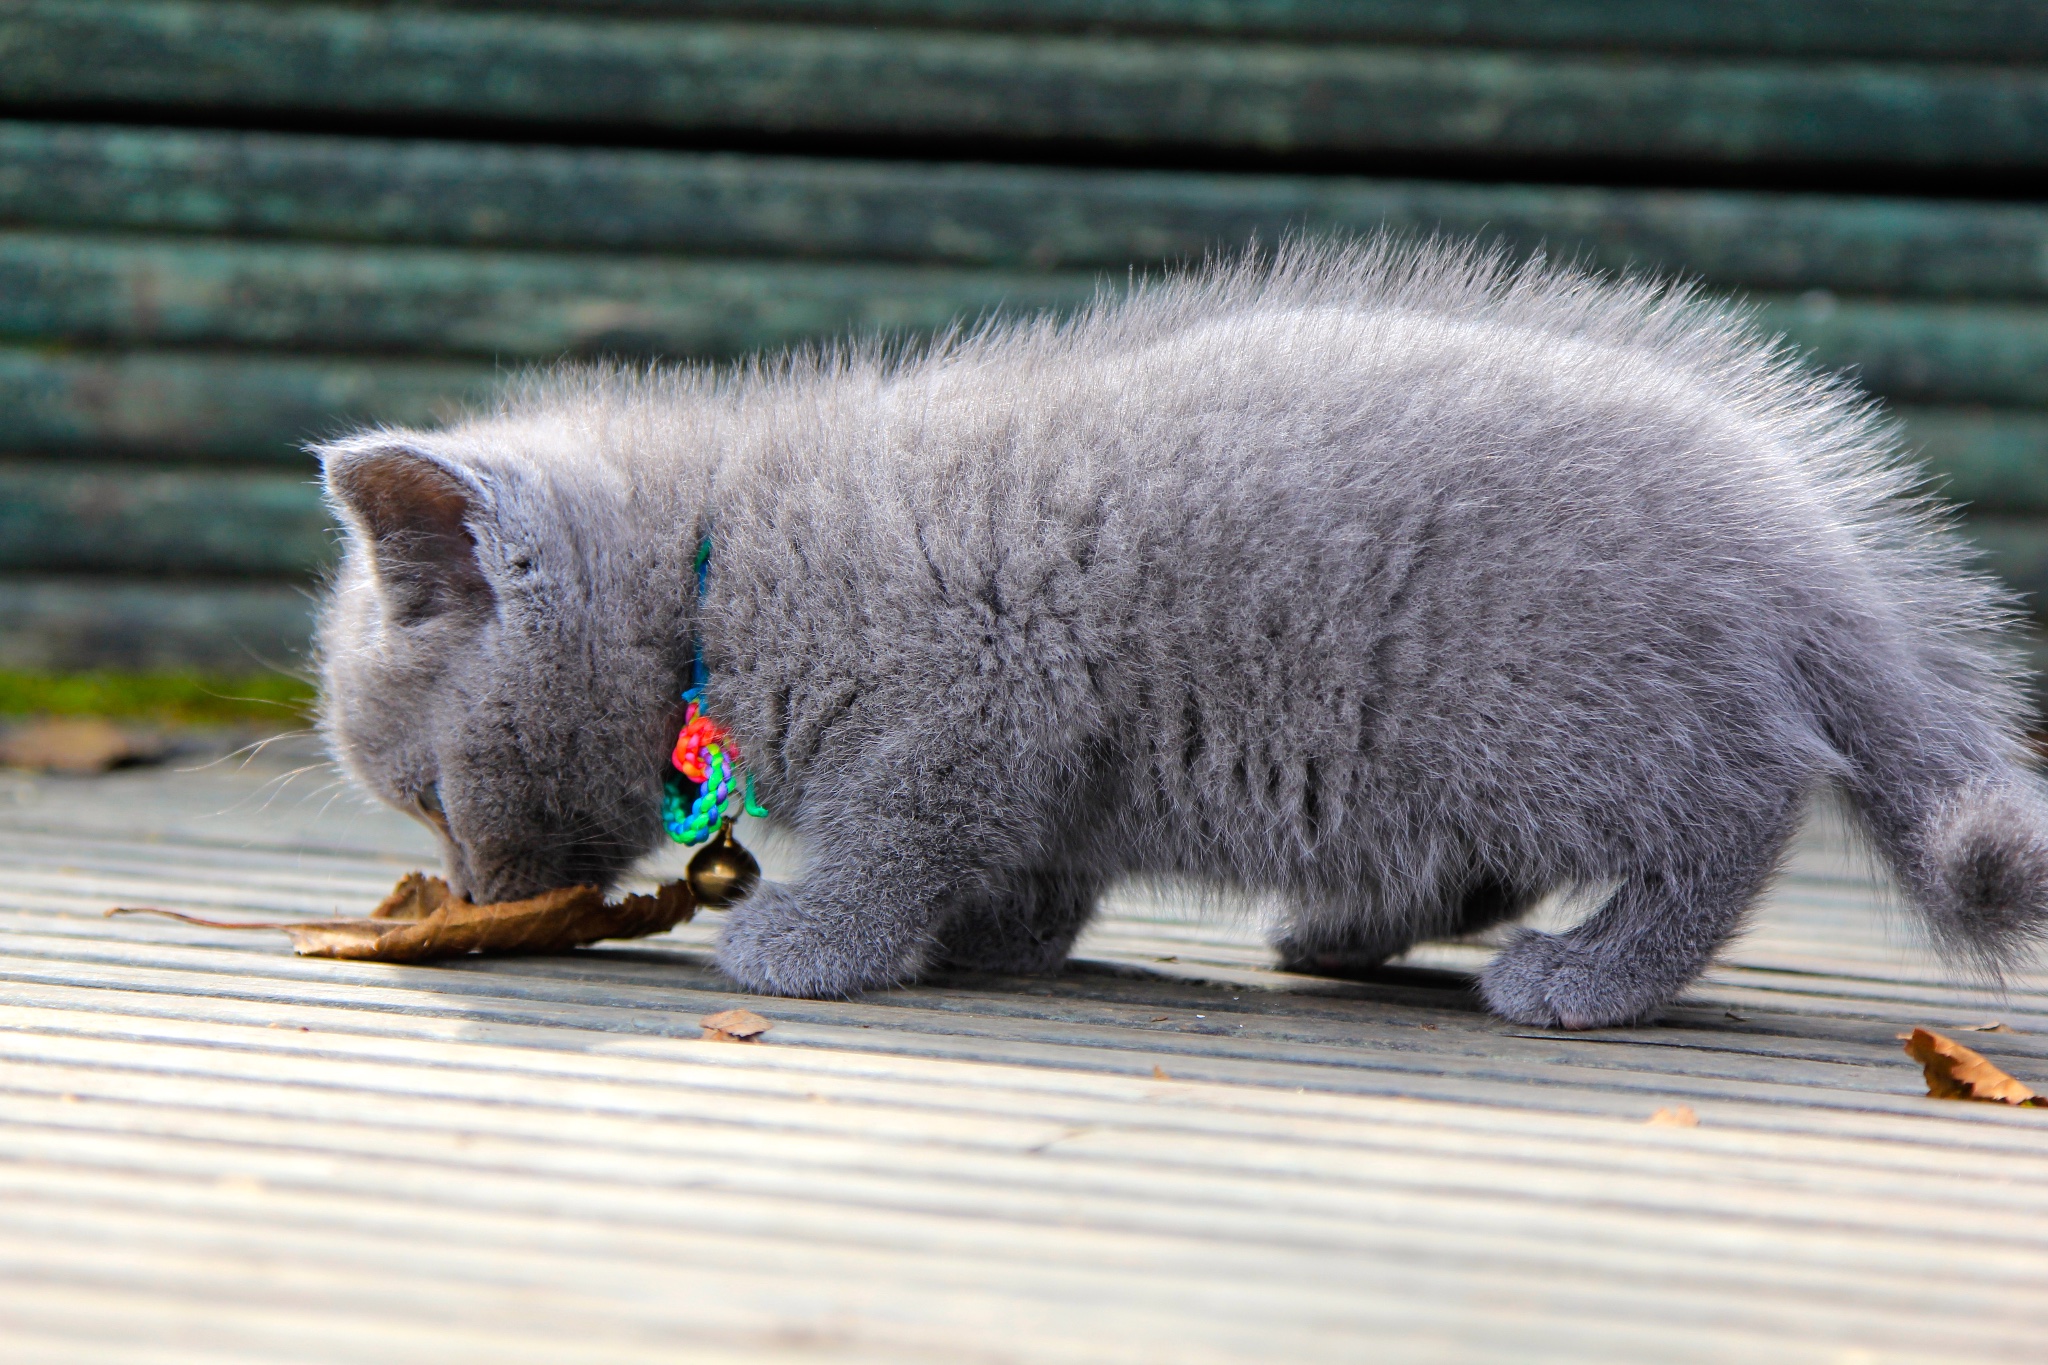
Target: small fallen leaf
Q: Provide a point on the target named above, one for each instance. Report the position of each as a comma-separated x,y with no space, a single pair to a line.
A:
1954,1072
75,746
1993,1027
1674,1116
1159,1073
734,1026
1738,1018
422,920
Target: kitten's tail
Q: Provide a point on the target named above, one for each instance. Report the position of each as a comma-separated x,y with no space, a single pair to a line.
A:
1938,774
1979,873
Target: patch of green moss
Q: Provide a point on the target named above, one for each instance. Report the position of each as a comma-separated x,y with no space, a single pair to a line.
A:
171,698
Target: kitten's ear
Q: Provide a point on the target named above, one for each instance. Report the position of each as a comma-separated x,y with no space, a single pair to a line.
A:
415,516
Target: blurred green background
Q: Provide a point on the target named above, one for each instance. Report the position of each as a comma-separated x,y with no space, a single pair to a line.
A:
233,227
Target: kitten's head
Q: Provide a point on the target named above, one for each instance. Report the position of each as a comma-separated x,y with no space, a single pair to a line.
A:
499,659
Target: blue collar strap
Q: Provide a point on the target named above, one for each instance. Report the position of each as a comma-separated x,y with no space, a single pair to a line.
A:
703,776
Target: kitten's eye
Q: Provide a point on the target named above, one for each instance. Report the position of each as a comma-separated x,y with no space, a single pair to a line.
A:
429,801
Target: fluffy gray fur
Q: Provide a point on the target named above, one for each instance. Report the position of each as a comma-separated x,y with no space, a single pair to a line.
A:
1399,580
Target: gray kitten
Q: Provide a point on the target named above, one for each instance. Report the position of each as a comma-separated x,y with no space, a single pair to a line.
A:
1398,580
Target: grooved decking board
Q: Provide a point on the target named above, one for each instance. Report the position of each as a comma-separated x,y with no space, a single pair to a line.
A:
441,193
214,1150
533,67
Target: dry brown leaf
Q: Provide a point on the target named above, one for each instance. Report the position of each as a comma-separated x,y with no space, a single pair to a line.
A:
1954,1072
1674,1116
76,746
734,1026
1159,1073
1993,1027
422,920
415,897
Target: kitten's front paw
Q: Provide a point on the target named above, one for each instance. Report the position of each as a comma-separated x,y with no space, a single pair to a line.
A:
774,943
1552,982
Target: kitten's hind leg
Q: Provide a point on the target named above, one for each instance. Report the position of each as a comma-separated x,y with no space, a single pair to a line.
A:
1344,949
1026,932
1656,933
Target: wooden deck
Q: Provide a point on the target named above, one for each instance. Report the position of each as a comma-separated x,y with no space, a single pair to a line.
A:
214,1151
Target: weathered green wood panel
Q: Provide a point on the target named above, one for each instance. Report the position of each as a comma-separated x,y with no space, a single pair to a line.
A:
430,192
1988,30
120,518
172,407
1997,462
1924,352
534,69
57,518
60,625
479,303
185,406
127,291
2016,549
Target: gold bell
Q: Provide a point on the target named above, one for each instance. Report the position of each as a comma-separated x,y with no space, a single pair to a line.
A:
723,871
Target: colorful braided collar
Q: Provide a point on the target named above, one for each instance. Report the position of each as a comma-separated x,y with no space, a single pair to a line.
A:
698,796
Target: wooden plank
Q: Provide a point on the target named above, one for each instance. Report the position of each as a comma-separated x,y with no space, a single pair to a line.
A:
930,1161
1923,352
1273,1202
58,1319
1998,31
199,1120
491,304
1994,461
51,624
937,1310
1361,1047
428,192
1201,1026
2016,549
175,406
117,518
130,291
1212,1138
1045,1089
181,406
702,77
78,515
608,1107
121,518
